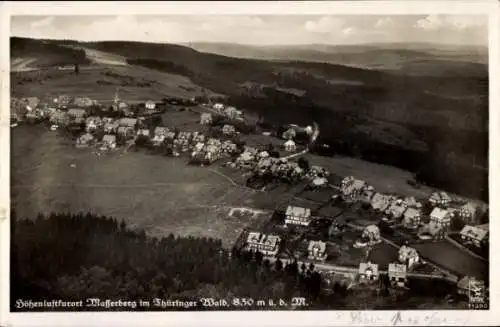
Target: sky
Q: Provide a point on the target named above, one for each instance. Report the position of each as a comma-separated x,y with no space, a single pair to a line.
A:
260,29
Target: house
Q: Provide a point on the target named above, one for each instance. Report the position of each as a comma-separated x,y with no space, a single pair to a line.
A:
474,235
127,122
412,218
351,188
380,202
468,212
125,131
143,132
297,216
319,182
218,106
440,199
92,123
290,146
263,155
266,244
109,141
472,288
315,171
59,118
63,101
150,105
366,195
84,140
368,271
110,127
82,102
316,251
77,115
411,202
206,118
440,217
397,274
232,113
395,210
408,256
228,130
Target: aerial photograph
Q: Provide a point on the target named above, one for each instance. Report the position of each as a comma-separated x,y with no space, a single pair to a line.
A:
249,162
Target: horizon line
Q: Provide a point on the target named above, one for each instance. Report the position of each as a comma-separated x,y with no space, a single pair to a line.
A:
258,45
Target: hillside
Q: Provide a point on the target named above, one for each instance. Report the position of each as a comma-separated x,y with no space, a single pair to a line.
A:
425,124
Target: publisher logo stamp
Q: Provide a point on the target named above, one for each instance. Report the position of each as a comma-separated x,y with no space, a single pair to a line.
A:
477,295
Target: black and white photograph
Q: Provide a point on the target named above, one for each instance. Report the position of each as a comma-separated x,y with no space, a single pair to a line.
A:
249,161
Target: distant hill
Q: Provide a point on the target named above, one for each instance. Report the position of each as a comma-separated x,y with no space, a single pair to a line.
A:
428,59
427,115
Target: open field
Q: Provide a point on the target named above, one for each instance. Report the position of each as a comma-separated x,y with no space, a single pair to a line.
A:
162,195
101,82
383,254
453,259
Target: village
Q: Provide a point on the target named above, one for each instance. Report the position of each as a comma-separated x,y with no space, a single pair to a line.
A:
354,234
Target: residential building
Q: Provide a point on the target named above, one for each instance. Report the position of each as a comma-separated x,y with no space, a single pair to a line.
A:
59,117
143,132
319,182
109,141
395,210
408,256
366,195
368,271
150,105
316,250
82,102
290,146
397,274
380,202
84,140
206,118
127,122
77,115
474,235
468,212
125,131
228,130
266,244
297,216
232,112
92,123
218,106
351,188
440,199
440,217
412,218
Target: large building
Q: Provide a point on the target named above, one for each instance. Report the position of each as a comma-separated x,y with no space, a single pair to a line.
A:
297,216
266,244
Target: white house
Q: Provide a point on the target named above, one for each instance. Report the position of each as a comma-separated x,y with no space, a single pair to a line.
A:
412,218
266,244
109,141
218,106
316,250
351,188
440,199
228,129
368,271
468,212
440,217
297,216
150,105
408,256
474,235
290,146
206,118
380,202
143,132
396,210
397,274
